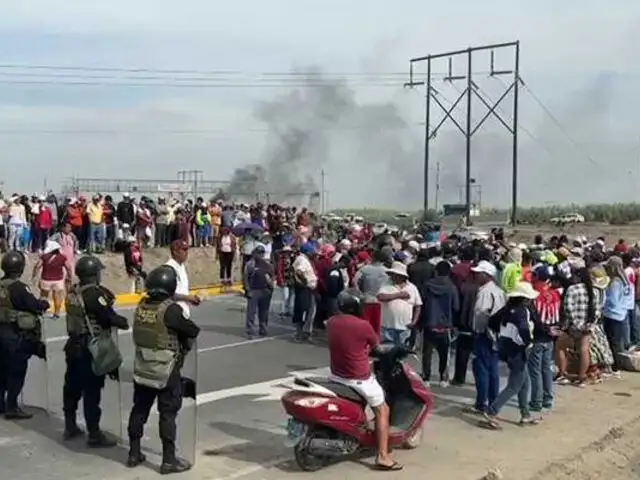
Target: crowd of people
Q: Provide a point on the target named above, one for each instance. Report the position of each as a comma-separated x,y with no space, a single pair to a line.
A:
557,312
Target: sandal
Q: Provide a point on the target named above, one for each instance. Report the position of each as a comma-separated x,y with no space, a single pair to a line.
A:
394,467
529,421
562,380
490,423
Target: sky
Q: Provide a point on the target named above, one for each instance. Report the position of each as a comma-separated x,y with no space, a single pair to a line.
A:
578,138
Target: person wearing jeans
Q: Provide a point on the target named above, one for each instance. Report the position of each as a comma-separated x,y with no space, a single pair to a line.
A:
259,280
515,338
546,309
489,300
615,312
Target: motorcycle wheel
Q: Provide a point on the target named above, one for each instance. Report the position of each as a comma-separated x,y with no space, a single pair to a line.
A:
414,440
305,459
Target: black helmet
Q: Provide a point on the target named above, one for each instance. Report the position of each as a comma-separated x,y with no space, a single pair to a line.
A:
350,302
162,280
88,267
13,263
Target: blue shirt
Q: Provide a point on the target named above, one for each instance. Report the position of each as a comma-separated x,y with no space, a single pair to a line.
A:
616,301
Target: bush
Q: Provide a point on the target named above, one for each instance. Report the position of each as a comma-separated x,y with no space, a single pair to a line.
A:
614,214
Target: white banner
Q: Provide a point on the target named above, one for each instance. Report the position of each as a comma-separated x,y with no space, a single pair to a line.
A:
174,187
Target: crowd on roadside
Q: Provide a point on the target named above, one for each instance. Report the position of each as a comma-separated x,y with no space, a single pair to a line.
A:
557,312
98,222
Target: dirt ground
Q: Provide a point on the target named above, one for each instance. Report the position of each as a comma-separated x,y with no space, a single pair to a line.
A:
202,267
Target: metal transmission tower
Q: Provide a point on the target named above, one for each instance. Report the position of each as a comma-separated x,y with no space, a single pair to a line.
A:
192,177
470,90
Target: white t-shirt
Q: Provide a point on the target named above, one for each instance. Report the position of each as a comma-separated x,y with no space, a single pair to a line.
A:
183,284
398,314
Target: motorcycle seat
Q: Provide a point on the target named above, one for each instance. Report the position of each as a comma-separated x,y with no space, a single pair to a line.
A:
340,389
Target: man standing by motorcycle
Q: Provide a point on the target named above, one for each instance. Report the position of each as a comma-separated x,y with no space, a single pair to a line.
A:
351,339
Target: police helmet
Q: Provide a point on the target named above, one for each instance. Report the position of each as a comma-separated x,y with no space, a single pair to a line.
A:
162,280
88,267
13,263
350,302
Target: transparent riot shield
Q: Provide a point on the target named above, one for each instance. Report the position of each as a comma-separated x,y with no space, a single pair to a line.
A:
187,421
37,396
112,422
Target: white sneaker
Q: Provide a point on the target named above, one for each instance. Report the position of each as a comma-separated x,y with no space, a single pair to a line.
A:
444,383
427,383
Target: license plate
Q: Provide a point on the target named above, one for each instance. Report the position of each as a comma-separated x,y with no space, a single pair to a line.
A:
295,432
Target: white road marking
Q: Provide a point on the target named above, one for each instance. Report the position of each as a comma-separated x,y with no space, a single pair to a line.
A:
241,344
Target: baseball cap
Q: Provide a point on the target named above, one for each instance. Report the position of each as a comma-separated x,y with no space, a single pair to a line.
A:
485,267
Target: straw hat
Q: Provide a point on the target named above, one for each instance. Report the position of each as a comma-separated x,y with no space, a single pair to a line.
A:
523,290
599,277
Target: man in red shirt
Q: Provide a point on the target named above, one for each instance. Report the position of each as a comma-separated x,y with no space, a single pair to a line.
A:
350,339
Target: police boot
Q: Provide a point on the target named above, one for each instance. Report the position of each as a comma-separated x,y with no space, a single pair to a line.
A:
136,457
17,414
71,429
100,440
170,463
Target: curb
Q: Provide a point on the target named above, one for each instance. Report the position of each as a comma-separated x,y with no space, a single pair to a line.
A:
130,299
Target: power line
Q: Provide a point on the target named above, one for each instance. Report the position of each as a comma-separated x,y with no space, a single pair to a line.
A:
559,125
310,84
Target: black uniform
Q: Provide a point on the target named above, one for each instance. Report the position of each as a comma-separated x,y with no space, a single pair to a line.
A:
79,379
169,398
17,346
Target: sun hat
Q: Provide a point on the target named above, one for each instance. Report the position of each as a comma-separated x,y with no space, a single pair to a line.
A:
51,246
398,268
523,290
599,277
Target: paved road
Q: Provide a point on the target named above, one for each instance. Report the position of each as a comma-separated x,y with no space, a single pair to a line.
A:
239,418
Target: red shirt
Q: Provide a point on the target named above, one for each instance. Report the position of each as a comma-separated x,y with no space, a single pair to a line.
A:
350,340
53,267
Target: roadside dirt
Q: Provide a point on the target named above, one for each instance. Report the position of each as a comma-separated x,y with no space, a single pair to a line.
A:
202,267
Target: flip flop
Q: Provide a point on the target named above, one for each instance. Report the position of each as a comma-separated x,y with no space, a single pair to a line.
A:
394,467
529,422
490,425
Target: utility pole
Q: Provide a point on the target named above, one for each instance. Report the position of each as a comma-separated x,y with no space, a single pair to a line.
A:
471,90
191,176
437,185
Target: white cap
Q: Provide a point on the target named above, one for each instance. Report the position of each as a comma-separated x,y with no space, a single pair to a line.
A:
485,267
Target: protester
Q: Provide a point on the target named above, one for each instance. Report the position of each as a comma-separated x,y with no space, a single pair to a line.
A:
52,268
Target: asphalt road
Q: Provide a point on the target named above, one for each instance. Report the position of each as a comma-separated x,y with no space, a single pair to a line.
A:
238,418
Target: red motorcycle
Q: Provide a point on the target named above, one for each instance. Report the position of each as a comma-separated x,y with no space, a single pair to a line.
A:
329,421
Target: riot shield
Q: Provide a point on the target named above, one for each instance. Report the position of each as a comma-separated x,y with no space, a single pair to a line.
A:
187,421
111,422
38,396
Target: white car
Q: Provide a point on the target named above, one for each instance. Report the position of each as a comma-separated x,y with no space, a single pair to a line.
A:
568,219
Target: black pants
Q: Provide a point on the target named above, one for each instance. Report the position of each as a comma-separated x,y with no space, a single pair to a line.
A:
81,382
440,341
226,263
162,235
614,330
301,304
169,404
14,361
110,238
464,347
79,233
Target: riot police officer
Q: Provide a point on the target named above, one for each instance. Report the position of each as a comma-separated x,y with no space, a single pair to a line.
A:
20,333
162,337
90,313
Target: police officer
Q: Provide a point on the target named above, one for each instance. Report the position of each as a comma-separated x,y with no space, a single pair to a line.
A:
89,305
20,333
162,337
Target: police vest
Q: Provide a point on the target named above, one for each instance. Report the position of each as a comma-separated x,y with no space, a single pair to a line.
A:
157,349
24,320
78,320
149,329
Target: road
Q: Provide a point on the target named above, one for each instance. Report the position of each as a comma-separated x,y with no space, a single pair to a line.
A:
239,420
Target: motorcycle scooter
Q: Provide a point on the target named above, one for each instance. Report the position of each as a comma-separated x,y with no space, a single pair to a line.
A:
328,419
